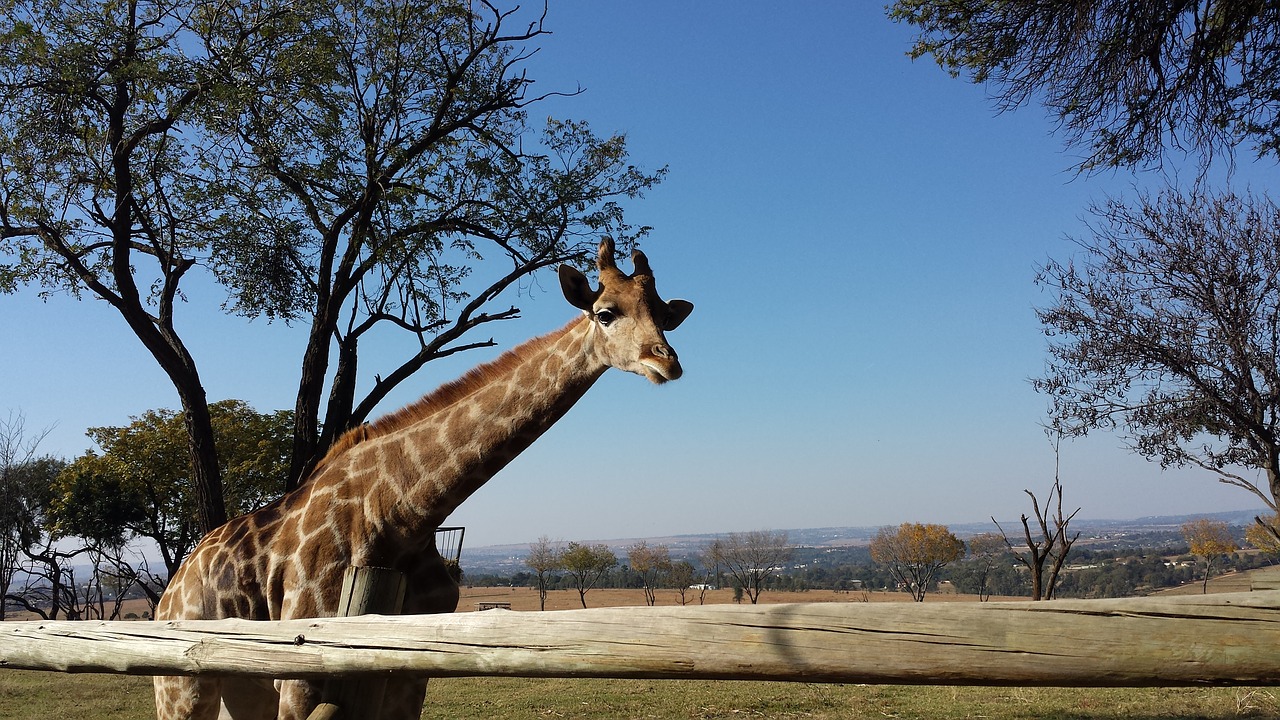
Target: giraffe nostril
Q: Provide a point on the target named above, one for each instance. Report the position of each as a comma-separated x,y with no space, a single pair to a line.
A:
664,351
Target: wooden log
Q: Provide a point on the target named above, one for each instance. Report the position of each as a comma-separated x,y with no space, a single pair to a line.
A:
365,590
1225,639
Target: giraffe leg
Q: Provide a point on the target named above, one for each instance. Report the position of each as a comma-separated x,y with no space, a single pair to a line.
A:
187,698
403,699
249,699
298,698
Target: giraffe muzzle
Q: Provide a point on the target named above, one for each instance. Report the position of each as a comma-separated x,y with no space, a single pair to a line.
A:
663,363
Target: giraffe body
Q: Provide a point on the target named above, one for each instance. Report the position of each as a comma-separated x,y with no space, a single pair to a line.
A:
378,496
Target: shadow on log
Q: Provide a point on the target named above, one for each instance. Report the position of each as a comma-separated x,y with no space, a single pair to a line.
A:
1224,639
365,590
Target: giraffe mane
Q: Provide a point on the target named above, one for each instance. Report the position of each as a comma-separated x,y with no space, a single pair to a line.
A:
442,397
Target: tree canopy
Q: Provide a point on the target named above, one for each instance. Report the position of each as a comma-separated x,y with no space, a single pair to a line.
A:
543,559
652,564
1209,539
353,168
1126,80
140,485
915,552
1164,325
586,565
987,550
750,558
25,481
1167,328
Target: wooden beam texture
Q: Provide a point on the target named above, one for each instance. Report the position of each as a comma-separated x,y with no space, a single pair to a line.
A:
1223,639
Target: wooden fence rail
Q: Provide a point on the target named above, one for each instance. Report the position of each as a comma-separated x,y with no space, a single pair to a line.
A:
1224,639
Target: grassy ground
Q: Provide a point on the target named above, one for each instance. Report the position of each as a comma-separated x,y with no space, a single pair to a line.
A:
680,699
55,696
51,696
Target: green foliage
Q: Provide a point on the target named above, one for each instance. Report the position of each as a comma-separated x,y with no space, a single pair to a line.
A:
587,565
141,483
399,186
79,80
359,167
25,497
93,498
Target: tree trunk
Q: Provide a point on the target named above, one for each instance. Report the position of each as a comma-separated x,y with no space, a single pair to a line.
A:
158,334
211,509
1272,468
342,396
171,354
306,413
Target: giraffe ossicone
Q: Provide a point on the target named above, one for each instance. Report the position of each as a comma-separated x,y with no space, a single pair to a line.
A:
379,494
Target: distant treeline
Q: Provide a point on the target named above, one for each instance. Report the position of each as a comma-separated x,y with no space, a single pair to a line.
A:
1132,566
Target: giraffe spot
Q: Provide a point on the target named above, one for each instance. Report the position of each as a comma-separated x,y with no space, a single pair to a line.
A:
314,518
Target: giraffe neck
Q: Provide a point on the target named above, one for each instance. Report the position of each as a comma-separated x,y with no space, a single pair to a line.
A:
415,475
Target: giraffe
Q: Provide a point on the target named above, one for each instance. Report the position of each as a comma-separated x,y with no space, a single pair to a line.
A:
379,494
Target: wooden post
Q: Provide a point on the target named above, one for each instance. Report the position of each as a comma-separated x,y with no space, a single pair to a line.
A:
365,590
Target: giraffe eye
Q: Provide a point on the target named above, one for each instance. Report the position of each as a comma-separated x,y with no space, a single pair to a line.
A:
606,317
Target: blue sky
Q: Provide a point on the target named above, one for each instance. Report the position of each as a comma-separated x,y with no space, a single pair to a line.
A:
859,234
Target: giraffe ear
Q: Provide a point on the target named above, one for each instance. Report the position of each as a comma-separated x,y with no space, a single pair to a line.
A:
577,289
680,310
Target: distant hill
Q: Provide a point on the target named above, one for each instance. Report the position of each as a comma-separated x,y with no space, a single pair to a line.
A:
509,559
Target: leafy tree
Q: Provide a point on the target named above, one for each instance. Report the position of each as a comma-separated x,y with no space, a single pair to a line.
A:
44,541
651,564
92,498
1126,80
915,552
682,576
1209,540
141,485
544,559
586,565
1260,536
352,167
94,184
25,478
1164,328
711,558
751,558
986,550
381,193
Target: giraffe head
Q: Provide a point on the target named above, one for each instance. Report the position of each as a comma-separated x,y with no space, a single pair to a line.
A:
627,317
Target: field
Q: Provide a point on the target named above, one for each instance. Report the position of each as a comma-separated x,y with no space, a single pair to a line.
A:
52,696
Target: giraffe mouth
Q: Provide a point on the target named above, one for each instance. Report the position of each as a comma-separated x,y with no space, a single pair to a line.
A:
659,371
